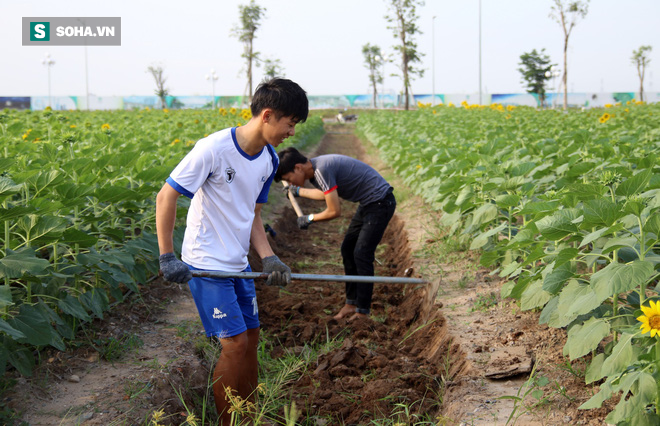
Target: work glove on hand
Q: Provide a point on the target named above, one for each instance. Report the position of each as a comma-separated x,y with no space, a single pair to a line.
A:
278,273
304,222
173,269
293,190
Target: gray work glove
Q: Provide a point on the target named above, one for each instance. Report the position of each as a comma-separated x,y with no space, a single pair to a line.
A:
173,269
279,273
292,189
304,222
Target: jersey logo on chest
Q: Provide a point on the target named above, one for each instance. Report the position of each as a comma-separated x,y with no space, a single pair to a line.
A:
230,174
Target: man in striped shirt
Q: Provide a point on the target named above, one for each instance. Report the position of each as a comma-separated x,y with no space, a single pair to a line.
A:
333,177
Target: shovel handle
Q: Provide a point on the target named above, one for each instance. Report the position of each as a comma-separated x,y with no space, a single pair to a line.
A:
294,202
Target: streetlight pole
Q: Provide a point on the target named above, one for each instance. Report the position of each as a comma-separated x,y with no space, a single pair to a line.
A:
212,77
82,21
554,73
86,76
48,62
480,102
385,58
433,60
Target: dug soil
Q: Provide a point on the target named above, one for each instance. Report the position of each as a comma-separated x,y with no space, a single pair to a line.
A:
448,352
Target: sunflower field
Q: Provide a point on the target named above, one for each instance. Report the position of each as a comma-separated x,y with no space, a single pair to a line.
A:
77,213
566,207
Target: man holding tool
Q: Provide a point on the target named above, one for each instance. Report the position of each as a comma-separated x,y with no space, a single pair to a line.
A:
228,175
338,176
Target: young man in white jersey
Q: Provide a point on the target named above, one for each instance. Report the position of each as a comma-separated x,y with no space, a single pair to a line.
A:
338,176
228,175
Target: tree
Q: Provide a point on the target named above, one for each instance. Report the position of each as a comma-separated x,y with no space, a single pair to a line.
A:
567,13
372,59
273,68
535,69
640,59
161,91
403,20
250,16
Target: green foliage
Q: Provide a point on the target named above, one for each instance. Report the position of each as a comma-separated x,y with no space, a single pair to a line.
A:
373,58
77,214
535,69
565,206
403,23
250,16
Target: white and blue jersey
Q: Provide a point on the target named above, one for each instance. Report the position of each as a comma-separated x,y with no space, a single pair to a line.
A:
224,184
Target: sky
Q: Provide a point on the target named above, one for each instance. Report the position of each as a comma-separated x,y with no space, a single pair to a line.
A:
319,44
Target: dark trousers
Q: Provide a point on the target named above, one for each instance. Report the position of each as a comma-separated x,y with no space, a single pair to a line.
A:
358,250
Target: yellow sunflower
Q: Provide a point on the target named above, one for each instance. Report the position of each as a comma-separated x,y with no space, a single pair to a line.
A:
604,118
651,319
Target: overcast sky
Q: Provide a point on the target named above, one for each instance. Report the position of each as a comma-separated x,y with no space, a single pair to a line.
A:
319,43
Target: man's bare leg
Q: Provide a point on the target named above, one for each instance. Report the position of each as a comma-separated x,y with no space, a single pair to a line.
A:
345,311
250,373
228,373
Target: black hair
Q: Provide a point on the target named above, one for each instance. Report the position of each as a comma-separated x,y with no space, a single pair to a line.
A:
289,157
284,97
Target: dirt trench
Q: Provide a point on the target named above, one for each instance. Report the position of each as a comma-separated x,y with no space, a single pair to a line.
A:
401,355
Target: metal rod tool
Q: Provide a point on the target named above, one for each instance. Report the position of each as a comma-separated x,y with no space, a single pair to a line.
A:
312,277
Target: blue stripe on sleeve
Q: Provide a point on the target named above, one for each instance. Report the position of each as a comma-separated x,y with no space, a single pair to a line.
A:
180,189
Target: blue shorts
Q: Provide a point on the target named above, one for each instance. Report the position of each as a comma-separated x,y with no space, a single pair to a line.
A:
227,306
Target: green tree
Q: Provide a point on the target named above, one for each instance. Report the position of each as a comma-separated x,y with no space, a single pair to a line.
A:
567,13
535,69
403,22
161,91
372,60
250,16
641,59
273,68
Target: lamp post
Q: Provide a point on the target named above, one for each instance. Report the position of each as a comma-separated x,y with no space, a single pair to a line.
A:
433,60
380,60
383,60
480,102
553,73
48,62
212,77
82,21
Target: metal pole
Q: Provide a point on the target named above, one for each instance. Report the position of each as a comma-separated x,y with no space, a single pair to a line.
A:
312,277
86,76
480,101
49,101
433,59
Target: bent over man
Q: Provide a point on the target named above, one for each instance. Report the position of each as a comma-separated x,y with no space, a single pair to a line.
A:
338,176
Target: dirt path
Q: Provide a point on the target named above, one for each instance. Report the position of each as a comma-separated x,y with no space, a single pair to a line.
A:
411,351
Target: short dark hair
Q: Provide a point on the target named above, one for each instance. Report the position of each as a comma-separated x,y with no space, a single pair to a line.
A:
289,157
283,96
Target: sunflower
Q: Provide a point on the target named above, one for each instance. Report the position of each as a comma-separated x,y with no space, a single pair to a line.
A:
651,319
105,127
603,118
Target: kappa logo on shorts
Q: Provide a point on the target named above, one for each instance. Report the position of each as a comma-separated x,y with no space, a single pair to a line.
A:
230,174
218,314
